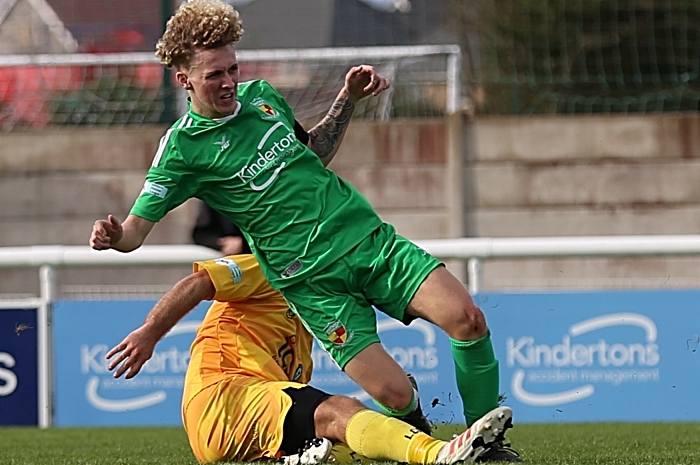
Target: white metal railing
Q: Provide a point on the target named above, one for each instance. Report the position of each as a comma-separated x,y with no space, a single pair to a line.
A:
473,250
84,256
477,250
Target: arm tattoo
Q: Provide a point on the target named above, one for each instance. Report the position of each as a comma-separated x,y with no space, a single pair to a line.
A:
326,136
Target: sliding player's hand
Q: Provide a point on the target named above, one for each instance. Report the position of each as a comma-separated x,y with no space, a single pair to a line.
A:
130,354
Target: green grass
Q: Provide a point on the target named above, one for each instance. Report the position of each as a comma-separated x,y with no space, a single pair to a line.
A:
575,444
94,446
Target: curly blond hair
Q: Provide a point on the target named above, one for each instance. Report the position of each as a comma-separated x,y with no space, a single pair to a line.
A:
197,24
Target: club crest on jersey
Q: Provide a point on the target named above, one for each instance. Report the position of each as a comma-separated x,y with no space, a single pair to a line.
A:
337,333
270,113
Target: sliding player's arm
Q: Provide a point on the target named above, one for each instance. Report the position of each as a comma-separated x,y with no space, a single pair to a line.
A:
137,348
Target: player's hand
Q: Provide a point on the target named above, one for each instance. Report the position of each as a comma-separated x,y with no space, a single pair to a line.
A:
135,350
105,233
364,80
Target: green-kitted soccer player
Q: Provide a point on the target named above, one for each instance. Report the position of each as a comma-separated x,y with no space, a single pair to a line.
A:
318,240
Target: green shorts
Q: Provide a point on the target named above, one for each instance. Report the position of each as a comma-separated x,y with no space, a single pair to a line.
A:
336,304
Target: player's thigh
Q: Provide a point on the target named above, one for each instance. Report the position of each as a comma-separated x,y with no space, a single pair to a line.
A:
335,312
444,300
397,270
406,282
239,418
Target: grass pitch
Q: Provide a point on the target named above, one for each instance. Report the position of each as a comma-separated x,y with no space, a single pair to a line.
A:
551,444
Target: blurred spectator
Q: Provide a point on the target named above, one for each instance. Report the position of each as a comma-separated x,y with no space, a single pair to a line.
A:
217,232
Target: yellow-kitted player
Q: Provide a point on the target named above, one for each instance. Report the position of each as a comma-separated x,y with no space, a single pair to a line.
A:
246,395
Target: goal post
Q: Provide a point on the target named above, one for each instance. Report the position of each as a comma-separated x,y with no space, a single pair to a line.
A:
126,88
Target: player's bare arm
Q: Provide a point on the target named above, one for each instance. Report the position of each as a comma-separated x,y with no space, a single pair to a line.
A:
137,348
124,237
326,136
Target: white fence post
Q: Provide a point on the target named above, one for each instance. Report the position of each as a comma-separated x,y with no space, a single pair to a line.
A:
47,280
474,275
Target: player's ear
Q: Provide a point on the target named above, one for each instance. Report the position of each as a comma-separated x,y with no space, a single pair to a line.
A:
183,80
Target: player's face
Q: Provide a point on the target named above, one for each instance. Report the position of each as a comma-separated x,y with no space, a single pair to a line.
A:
212,81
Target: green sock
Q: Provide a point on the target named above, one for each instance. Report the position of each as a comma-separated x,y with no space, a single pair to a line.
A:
476,369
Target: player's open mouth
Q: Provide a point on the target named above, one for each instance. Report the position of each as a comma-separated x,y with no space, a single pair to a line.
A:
227,98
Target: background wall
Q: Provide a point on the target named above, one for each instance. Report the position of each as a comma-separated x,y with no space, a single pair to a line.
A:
491,177
577,176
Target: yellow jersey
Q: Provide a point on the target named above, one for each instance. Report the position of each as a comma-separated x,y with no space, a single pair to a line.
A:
249,330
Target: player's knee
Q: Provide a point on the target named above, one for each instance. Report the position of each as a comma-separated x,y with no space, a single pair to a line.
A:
469,324
395,394
331,416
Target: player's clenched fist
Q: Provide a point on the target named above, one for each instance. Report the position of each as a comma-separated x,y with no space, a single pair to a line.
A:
364,80
105,233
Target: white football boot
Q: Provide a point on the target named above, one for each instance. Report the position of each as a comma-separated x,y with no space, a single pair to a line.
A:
316,450
479,437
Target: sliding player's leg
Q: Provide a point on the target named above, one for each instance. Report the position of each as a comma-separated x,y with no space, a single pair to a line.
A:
381,438
342,419
246,419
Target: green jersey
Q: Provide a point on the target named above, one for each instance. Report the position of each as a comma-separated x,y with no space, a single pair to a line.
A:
297,215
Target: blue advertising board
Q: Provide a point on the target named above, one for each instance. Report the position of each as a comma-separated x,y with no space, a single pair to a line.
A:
87,394
18,367
598,356
572,357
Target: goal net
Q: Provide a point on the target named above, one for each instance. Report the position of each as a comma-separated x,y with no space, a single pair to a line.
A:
39,91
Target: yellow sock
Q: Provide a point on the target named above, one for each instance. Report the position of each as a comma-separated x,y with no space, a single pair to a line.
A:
384,438
343,454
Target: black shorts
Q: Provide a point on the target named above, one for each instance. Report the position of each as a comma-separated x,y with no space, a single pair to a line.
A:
299,422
